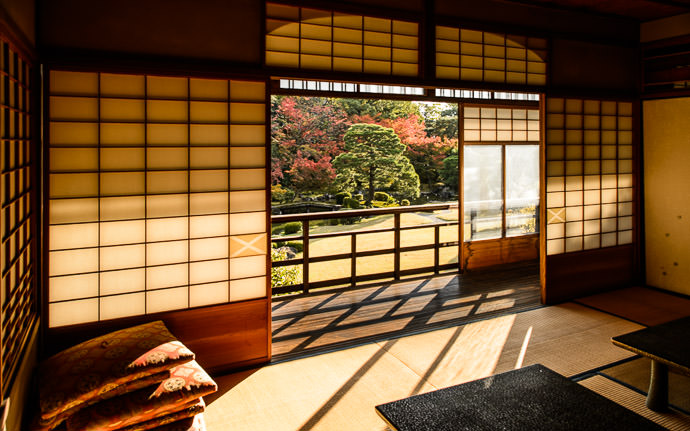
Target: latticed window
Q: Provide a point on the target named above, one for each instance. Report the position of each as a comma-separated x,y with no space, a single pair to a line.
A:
303,38
481,56
19,308
589,174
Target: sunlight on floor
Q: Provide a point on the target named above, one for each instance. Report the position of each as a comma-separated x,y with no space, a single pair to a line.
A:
338,390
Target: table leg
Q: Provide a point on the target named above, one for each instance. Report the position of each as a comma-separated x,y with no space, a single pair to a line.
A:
657,396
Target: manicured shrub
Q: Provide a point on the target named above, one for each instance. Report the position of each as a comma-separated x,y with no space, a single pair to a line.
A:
282,195
359,197
296,245
340,197
284,275
351,203
404,202
292,227
381,196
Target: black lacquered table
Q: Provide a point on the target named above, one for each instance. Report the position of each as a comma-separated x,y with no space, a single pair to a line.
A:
668,346
531,398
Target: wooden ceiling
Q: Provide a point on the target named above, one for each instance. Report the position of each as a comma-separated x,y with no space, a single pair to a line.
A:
640,10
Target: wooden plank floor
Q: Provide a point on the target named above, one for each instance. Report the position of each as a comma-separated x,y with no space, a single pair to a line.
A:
326,321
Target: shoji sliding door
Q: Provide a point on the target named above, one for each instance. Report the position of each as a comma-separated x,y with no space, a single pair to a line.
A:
157,195
590,196
18,189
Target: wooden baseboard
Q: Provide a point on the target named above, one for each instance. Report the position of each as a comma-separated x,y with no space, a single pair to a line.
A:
491,252
572,275
223,337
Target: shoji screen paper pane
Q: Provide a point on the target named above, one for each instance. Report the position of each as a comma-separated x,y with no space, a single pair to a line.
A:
471,55
157,193
304,38
487,124
589,174
18,291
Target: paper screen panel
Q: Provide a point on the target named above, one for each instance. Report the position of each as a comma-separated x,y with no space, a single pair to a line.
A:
589,170
304,38
488,124
470,55
144,174
19,288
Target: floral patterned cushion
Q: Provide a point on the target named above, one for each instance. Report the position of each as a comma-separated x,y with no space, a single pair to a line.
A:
52,423
186,412
84,372
186,384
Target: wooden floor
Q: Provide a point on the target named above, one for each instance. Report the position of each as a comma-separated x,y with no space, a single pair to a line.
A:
321,322
338,390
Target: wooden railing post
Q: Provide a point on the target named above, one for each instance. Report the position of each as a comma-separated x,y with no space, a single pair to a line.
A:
378,250
305,256
396,246
353,263
437,248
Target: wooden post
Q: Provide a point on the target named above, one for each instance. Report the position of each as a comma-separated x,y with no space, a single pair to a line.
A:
353,260
437,248
396,246
305,256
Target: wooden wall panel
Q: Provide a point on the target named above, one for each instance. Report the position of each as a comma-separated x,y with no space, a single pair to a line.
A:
223,337
21,14
479,254
593,66
502,13
226,30
667,181
572,275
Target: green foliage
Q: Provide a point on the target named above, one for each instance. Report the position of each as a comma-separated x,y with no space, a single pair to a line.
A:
292,227
339,197
282,195
297,245
449,172
404,202
374,158
384,204
381,109
359,197
351,203
284,275
441,120
382,196
277,230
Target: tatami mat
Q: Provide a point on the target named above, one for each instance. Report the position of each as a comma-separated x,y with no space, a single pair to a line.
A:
636,402
640,304
569,338
636,374
338,390
333,391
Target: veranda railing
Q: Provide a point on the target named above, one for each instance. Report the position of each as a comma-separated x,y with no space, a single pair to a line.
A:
396,250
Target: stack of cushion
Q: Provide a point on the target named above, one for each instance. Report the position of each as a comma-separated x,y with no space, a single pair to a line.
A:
139,378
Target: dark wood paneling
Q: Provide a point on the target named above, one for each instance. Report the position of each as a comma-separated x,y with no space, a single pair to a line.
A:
593,66
507,15
223,337
226,30
571,275
22,15
491,252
